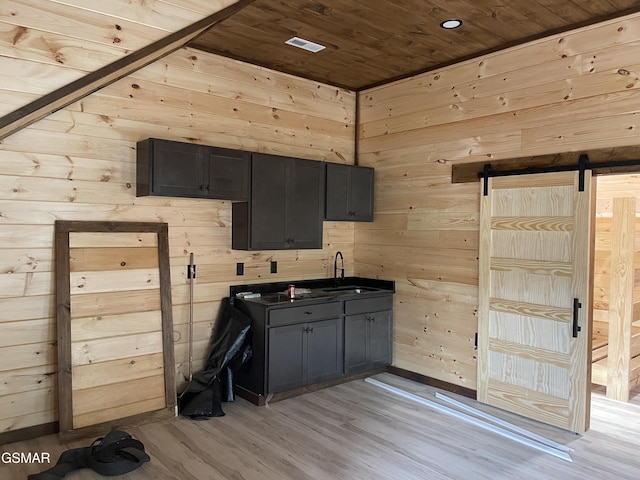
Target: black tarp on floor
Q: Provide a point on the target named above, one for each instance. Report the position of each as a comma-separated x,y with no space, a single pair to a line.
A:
230,348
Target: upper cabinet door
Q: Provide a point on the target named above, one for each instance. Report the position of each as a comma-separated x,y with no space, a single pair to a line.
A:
349,193
227,173
361,194
178,169
169,168
286,207
305,204
266,216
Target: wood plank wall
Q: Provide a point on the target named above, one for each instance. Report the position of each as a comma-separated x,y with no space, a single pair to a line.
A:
568,92
79,164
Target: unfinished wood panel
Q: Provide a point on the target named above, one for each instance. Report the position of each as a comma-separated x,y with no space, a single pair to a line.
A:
621,299
90,403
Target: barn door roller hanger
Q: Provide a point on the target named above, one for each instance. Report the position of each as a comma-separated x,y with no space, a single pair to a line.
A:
582,165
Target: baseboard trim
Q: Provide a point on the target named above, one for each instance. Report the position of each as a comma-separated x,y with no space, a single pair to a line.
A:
28,433
433,382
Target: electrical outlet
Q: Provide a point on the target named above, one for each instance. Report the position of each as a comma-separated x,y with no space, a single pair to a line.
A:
274,267
239,268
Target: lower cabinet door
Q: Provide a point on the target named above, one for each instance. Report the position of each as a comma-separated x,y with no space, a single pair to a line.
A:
324,350
367,338
287,362
379,337
355,343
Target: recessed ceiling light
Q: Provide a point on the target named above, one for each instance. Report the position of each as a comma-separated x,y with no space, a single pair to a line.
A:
451,23
305,44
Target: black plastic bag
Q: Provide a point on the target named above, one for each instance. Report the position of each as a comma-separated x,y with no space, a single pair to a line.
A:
230,349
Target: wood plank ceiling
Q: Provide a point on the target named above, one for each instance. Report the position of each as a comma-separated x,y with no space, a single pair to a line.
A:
370,42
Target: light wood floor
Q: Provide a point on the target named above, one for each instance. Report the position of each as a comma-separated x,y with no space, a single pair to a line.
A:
359,431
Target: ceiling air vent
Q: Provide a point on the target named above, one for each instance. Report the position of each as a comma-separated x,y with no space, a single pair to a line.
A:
305,44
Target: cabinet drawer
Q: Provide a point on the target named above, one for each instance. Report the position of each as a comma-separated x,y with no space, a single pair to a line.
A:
304,313
365,305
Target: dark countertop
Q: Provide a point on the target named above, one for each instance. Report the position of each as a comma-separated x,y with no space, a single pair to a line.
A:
321,290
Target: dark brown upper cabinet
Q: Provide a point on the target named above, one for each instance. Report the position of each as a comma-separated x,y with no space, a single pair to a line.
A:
178,169
349,193
286,205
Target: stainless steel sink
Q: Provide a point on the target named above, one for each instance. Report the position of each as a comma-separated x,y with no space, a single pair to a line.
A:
351,289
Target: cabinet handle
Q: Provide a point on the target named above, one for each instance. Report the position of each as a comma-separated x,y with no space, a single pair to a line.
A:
308,313
201,187
310,330
208,188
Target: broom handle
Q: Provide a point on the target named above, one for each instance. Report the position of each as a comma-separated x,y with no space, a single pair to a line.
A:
191,275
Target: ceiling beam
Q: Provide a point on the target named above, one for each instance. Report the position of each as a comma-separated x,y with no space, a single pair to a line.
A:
94,81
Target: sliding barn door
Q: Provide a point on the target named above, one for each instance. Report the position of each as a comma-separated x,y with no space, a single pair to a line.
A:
534,297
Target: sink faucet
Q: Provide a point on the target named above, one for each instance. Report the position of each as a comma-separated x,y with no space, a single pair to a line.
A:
335,267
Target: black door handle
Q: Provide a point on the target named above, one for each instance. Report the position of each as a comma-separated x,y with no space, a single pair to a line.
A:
576,306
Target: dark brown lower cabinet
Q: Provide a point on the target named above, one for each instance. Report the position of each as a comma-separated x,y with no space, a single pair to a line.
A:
297,345
367,333
304,354
367,339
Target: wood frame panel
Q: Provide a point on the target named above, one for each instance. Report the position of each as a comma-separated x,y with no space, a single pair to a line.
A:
63,314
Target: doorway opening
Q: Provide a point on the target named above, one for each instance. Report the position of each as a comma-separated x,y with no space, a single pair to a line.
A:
616,288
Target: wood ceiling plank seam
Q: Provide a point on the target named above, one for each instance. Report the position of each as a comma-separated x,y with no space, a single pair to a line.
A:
369,24
288,33
474,17
277,55
565,10
418,25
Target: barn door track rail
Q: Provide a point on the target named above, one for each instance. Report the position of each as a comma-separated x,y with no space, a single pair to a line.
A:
583,164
